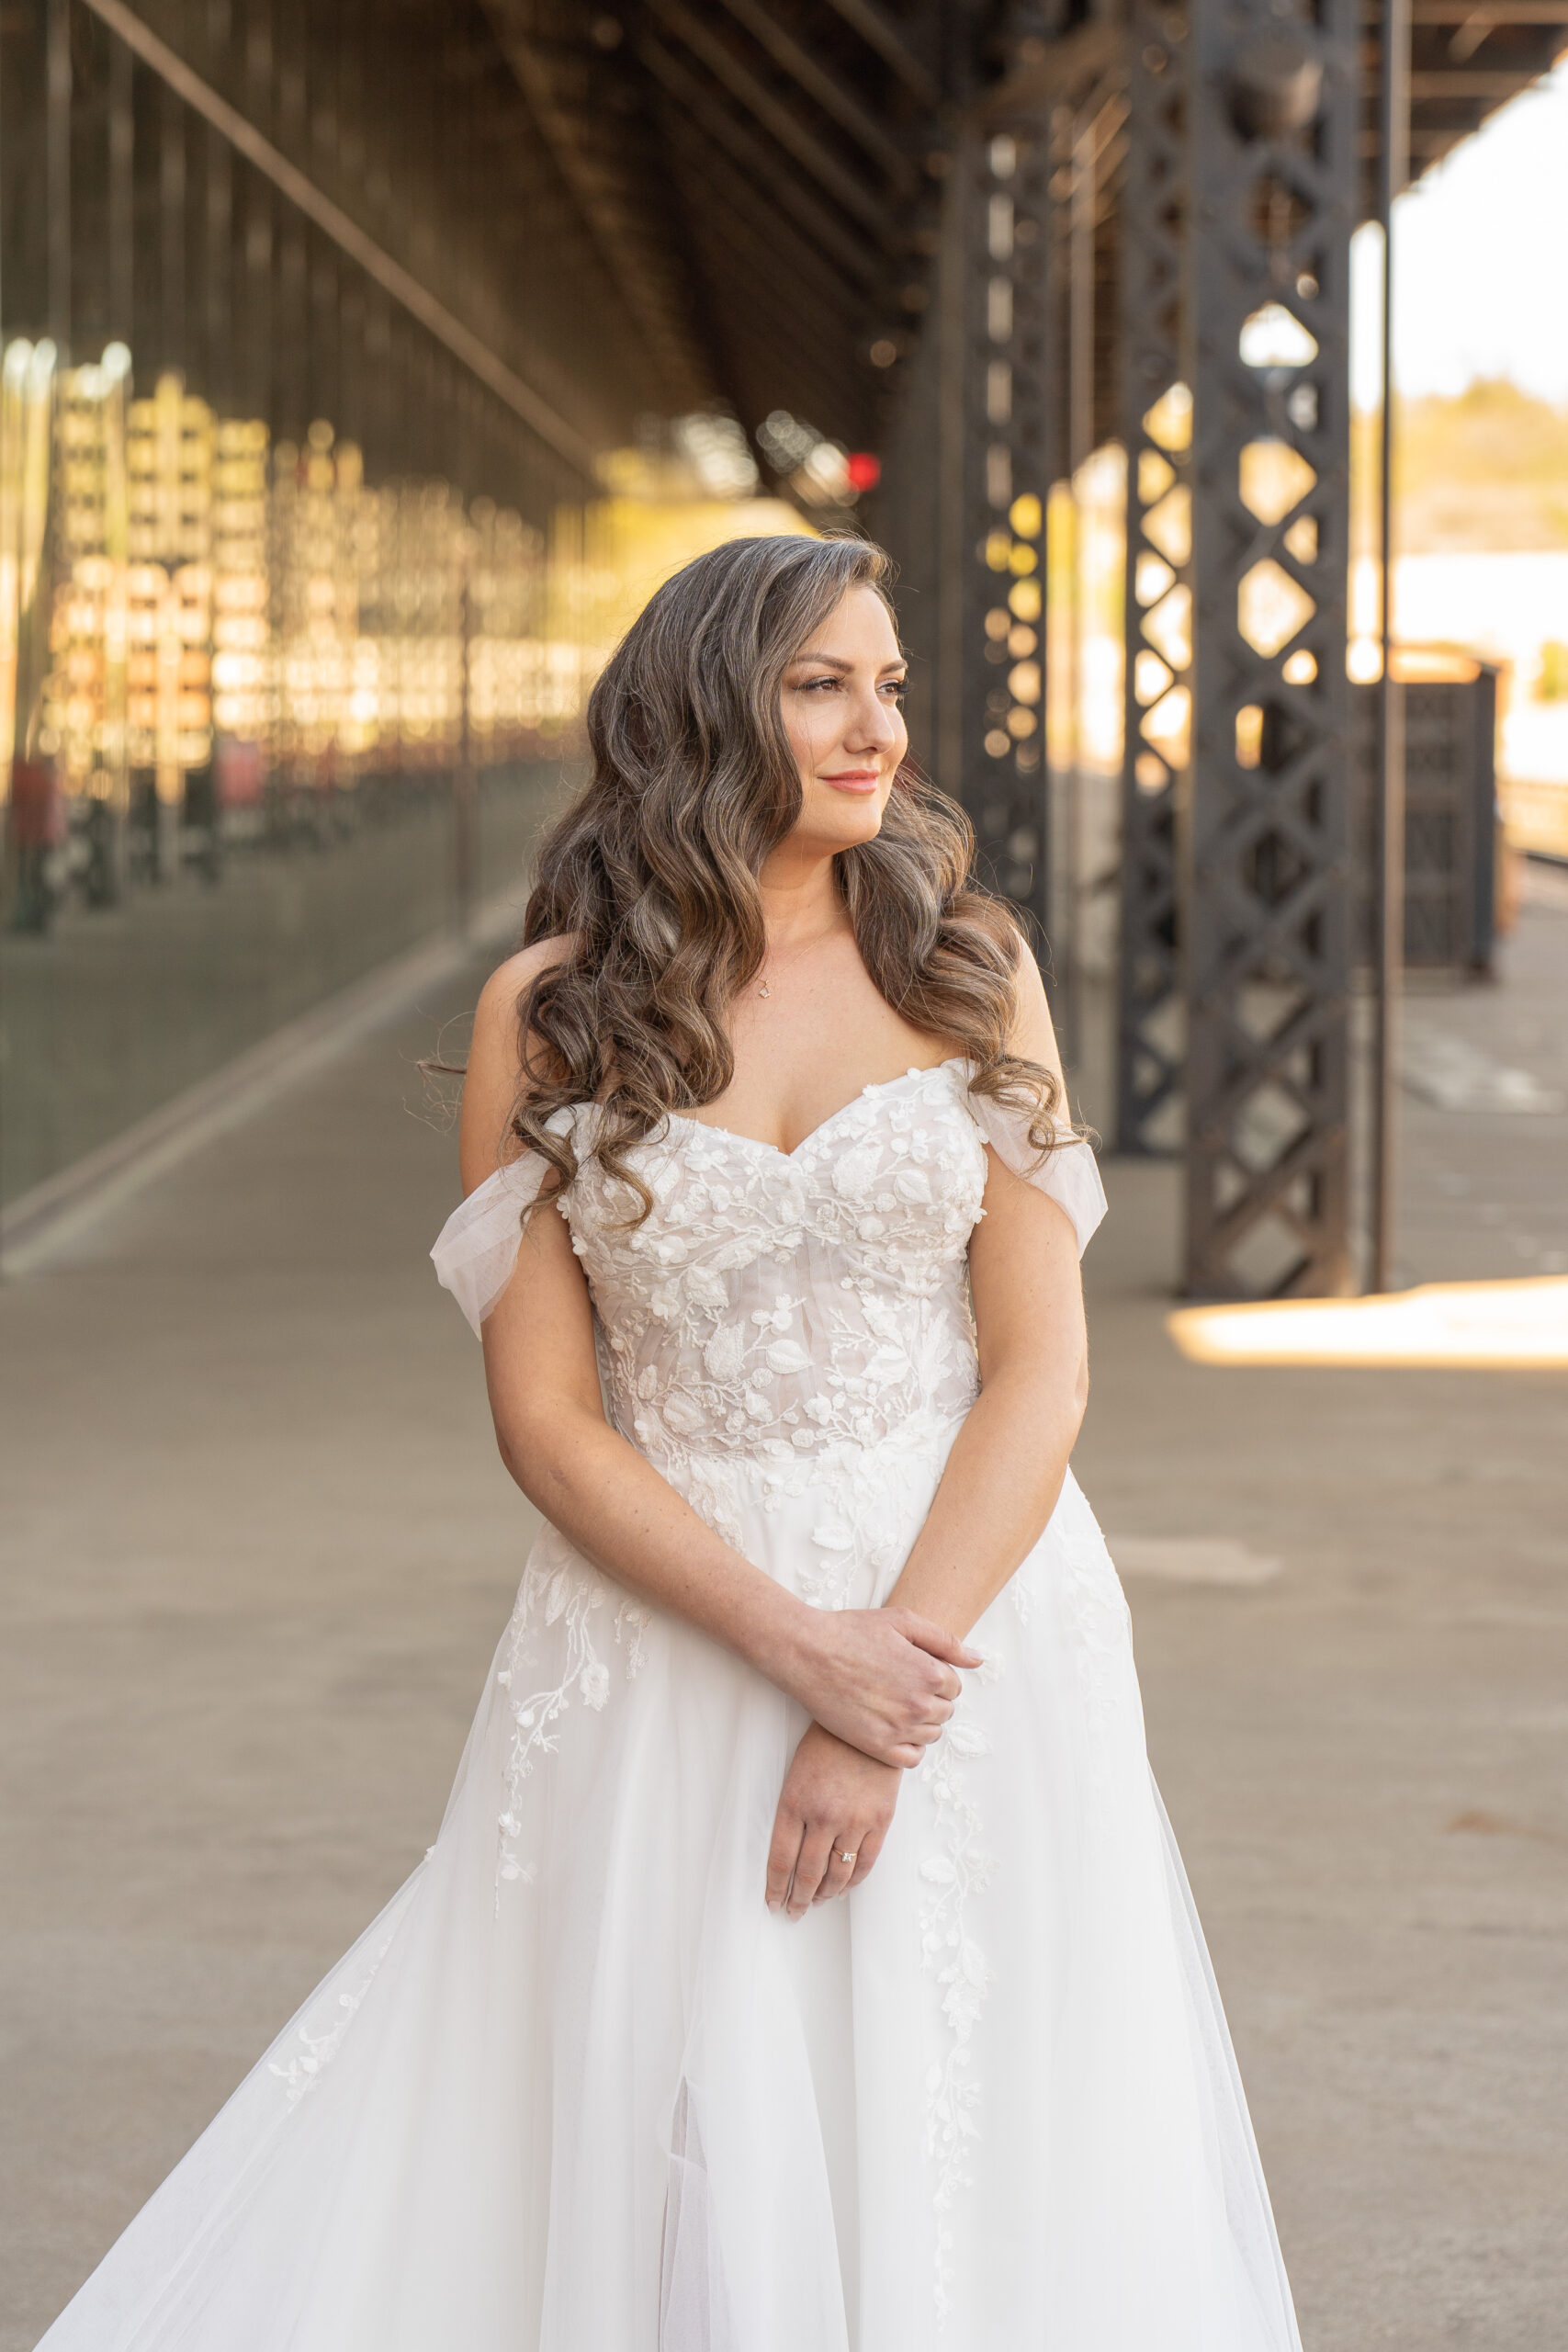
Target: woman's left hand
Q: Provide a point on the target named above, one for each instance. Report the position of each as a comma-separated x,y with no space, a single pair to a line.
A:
835,1803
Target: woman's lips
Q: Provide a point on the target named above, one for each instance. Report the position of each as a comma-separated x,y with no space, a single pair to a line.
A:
854,780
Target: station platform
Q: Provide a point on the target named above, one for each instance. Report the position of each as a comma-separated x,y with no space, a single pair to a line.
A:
260,1547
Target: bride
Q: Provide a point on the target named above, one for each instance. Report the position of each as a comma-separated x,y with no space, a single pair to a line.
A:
804,1963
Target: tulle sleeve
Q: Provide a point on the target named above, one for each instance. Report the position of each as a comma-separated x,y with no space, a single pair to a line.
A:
1068,1175
477,1250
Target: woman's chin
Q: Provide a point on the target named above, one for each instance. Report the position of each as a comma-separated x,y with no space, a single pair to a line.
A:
832,830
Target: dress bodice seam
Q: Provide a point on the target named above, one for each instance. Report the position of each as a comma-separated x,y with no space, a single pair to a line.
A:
873,1086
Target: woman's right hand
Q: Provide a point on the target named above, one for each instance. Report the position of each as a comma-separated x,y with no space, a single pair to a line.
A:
883,1680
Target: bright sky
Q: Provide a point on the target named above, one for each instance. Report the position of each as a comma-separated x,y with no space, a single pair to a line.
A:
1481,261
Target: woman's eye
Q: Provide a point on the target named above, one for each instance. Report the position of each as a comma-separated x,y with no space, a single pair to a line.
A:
894,687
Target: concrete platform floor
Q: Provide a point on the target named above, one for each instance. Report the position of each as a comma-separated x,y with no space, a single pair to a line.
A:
259,1548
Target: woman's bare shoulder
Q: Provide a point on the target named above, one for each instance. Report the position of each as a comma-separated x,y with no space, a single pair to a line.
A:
499,999
1034,1035
494,1076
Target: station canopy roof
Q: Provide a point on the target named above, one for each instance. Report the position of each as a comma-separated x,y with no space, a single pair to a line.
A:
761,179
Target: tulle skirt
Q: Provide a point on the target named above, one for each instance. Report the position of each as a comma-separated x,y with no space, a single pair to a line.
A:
577,2090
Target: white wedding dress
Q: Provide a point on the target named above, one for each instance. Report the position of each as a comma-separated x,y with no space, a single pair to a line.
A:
577,2089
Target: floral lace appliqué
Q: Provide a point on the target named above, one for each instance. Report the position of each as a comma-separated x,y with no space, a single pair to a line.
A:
951,1877
561,1588
788,1308
304,2068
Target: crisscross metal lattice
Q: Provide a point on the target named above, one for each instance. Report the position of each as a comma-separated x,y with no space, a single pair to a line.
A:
1157,416
1266,904
1007,388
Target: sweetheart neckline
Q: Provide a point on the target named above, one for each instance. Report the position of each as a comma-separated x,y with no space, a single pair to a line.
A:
876,1086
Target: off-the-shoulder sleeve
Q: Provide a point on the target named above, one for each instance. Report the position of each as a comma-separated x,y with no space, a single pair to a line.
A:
1068,1175
477,1250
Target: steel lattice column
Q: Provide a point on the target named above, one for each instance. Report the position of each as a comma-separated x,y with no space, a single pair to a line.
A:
994,440
1266,918
1156,408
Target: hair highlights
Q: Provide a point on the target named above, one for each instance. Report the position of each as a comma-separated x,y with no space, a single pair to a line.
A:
652,872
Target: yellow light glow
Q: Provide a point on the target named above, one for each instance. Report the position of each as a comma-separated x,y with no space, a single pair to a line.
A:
1478,1327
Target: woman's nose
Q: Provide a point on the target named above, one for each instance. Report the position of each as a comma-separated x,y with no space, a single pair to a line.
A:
874,723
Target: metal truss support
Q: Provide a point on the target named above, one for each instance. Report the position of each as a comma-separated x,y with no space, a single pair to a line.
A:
995,439
1272,167
1156,426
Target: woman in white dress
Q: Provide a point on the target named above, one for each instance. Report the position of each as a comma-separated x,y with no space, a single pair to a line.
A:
803,1963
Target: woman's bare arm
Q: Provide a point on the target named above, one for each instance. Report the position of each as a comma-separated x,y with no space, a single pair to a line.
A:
1008,1462
998,1491
879,1677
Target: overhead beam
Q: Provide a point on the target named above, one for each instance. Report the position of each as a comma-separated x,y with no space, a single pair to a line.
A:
1059,73
770,328
1504,12
1457,83
777,120
640,264
768,287
778,243
819,85
880,33
347,235
829,231
1428,141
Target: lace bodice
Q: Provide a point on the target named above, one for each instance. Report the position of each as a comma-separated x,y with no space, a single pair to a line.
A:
780,1305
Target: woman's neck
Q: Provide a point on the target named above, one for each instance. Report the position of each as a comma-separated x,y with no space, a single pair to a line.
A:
801,899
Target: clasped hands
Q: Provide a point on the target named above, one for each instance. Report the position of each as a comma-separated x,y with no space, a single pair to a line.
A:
880,1685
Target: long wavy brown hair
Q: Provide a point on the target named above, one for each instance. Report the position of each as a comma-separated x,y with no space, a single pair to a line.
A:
653,871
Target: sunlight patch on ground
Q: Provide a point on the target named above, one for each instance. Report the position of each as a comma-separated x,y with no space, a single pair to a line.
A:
1493,1326
1192,1559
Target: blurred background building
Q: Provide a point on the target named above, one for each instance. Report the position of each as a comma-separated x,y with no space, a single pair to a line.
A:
366,365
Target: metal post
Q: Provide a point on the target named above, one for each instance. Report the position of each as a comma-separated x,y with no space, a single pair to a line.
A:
465,783
1157,427
57,142
1393,128
219,272
1000,186
116,369
121,195
1083,189
171,228
951,568
1272,163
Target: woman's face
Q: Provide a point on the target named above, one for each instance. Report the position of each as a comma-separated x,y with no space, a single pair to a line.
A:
841,708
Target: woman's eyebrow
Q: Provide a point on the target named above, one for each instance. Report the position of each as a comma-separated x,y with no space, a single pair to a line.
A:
836,661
